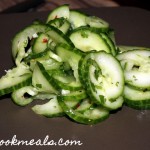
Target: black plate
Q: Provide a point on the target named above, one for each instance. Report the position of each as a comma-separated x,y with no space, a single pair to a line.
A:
126,129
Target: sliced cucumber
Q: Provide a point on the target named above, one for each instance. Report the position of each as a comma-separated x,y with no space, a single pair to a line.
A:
124,48
40,43
90,116
24,95
104,79
66,82
61,11
49,109
110,43
87,39
48,59
136,64
136,96
71,56
58,36
14,79
21,40
77,19
41,80
73,103
60,23
9,85
84,105
140,106
73,95
96,22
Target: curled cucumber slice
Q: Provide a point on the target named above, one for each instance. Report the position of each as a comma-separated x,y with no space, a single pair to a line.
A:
104,79
89,116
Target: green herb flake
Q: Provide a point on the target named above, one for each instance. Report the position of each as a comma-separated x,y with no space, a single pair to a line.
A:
84,34
102,99
39,85
134,77
117,83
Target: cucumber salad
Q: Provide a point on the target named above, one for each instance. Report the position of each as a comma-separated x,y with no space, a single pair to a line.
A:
72,63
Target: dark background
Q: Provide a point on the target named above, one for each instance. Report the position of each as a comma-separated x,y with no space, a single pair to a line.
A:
10,6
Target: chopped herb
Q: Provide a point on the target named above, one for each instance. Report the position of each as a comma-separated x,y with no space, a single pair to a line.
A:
39,85
134,77
117,83
102,99
84,34
61,22
93,87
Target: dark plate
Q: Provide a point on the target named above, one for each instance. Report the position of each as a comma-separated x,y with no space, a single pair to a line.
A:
127,129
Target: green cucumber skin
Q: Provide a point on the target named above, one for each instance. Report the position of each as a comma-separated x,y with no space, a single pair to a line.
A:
92,29
110,43
64,27
18,95
18,50
80,119
85,78
77,19
89,31
36,56
56,11
135,77
81,69
48,77
66,86
137,106
76,96
38,44
50,109
70,49
8,90
60,34
138,102
71,56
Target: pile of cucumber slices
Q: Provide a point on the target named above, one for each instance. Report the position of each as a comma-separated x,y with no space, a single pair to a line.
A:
73,63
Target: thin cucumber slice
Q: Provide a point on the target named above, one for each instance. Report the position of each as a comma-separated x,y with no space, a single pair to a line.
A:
84,105
139,107
73,103
8,85
49,109
77,19
71,56
96,22
48,59
90,116
86,39
110,43
43,96
40,43
136,64
76,95
21,40
19,96
41,80
104,79
66,82
14,79
61,11
58,36
136,96
124,48
82,67
60,23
